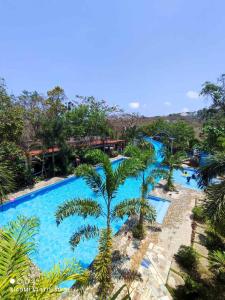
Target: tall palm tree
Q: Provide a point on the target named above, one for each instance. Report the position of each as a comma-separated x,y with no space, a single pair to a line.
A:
214,204
106,187
141,206
6,182
17,242
173,162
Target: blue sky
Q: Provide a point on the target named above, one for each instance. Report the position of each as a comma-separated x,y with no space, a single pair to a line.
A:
148,56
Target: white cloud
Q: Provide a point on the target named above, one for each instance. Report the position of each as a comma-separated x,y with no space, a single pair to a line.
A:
167,103
134,105
192,95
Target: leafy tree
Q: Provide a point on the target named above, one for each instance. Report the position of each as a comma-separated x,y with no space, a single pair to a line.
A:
55,102
53,134
216,92
11,118
33,106
13,158
107,188
89,118
214,133
6,182
180,131
173,162
17,242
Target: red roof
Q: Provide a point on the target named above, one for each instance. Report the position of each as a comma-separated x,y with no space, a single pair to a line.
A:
79,144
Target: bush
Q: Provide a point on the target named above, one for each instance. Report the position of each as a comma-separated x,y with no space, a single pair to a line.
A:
138,232
187,257
214,241
192,288
198,214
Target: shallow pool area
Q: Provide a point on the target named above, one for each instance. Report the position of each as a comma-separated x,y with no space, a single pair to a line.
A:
181,178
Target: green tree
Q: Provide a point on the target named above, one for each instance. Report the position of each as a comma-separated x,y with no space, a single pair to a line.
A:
106,187
17,281
11,117
173,162
216,92
12,156
6,182
180,131
141,206
214,204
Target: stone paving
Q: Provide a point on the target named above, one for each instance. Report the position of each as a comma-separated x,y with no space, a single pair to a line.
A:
175,231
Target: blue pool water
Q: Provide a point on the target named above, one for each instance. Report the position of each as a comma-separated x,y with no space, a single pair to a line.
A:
53,241
179,178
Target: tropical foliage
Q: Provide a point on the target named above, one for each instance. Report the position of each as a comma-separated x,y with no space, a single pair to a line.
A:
141,206
172,162
217,263
6,182
180,132
107,188
17,280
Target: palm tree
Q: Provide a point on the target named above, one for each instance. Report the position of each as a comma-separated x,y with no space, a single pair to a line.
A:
217,263
6,182
141,206
214,166
17,242
173,162
107,188
214,204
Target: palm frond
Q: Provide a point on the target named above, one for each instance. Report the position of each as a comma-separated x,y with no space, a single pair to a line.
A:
46,286
215,166
16,243
83,232
92,178
80,207
132,151
128,168
149,213
126,208
217,261
214,204
154,176
118,293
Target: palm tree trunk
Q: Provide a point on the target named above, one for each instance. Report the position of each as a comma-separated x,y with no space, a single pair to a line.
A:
141,216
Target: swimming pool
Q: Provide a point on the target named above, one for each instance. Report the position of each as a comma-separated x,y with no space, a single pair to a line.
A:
53,241
179,178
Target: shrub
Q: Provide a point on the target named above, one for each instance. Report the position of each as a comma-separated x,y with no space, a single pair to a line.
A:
217,264
187,257
192,288
214,241
138,232
198,214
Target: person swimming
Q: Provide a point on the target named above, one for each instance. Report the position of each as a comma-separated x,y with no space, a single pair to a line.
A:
188,179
